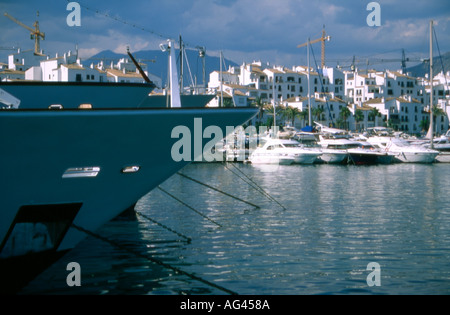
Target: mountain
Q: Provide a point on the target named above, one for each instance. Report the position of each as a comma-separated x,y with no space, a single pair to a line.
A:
422,69
157,62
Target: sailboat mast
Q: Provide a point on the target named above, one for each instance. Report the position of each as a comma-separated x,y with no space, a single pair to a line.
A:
181,64
273,98
431,84
309,87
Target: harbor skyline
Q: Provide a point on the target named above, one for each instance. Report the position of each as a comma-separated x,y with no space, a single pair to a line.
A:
245,31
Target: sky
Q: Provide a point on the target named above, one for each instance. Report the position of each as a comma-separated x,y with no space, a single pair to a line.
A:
245,30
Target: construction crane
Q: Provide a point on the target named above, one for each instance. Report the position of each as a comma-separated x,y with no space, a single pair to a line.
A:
323,39
36,34
374,61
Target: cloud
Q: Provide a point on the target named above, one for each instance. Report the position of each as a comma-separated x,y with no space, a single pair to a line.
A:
263,29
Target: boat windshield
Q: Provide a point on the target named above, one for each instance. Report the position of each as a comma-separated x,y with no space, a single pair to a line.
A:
400,143
292,145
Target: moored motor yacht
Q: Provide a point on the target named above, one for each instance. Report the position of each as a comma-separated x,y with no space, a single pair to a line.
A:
283,151
442,145
329,155
404,151
357,153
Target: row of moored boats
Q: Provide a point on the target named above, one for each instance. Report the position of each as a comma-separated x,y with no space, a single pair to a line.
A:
334,146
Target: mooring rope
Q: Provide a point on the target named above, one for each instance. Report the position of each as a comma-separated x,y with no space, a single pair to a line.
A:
218,190
188,239
153,260
188,206
253,184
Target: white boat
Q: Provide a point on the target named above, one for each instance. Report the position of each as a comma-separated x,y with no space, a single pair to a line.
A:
283,151
442,145
357,153
383,157
329,156
404,151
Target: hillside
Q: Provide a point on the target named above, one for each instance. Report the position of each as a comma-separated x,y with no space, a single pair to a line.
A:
159,67
422,69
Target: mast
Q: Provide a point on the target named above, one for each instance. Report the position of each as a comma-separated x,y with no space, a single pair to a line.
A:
309,87
431,85
221,80
181,64
175,100
274,110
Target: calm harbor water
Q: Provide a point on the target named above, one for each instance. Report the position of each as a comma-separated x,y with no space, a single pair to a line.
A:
333,222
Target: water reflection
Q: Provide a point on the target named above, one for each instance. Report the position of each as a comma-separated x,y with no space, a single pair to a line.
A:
334,221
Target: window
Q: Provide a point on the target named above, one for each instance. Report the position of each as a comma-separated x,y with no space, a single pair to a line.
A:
78,78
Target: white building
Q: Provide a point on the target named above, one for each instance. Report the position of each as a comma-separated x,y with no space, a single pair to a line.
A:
23,60
234,95
406,114
68,68
402,100
326,108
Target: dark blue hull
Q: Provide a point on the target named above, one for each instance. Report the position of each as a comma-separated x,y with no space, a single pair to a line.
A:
84,167
40,95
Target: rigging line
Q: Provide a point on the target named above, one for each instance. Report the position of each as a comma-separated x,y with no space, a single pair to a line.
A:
440,57
188,206
154,260
213,188
323,90
140,27
255,185
189,67
188,239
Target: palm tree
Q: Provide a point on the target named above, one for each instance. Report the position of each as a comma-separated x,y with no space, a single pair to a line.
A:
303,115
424,125
260,104
317,112
359,116
344,115
373,114
437,112
290,113
269,110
